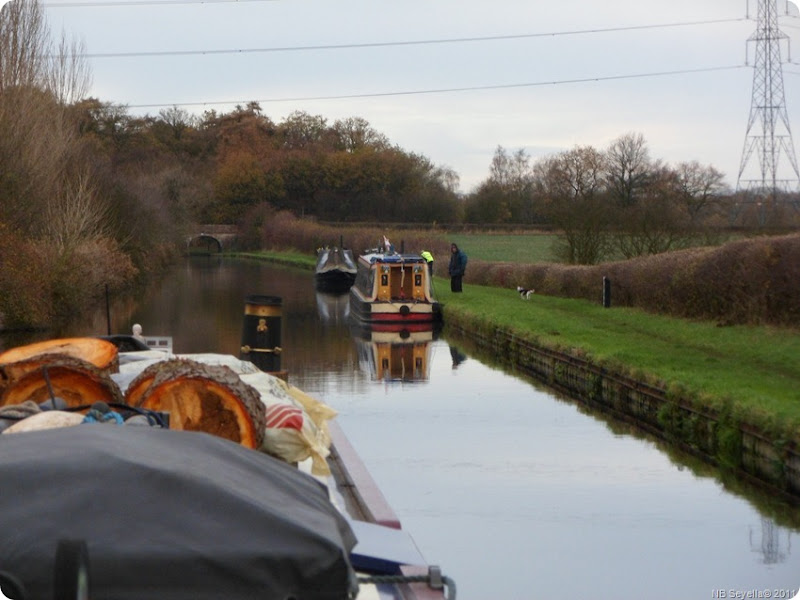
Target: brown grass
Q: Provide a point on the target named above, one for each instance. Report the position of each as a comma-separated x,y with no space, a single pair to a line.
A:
282,230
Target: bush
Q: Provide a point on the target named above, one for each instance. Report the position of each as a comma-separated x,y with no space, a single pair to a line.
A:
39,286
745,282
24,288
79,279
755,281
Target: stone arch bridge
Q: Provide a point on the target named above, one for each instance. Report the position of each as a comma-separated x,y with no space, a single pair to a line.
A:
213,238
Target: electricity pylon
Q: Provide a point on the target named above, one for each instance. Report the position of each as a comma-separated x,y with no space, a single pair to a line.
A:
768,132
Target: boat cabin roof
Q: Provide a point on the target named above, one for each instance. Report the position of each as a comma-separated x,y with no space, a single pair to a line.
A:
395,258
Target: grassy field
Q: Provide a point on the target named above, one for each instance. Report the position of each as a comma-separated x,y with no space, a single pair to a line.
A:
522,248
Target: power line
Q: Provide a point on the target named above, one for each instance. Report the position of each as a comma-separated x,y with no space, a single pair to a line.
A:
403,43
442,90
126,3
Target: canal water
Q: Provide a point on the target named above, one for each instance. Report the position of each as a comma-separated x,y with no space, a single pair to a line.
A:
515,492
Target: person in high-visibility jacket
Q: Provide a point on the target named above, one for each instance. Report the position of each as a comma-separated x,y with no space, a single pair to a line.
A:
428,259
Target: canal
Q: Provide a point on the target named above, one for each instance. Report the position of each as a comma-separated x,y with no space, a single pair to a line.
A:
515,492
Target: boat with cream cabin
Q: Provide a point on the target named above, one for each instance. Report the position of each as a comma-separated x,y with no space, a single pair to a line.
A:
393,288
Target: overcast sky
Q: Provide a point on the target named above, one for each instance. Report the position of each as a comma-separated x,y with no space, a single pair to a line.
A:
541,76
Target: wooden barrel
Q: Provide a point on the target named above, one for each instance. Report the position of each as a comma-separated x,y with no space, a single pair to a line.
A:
261,332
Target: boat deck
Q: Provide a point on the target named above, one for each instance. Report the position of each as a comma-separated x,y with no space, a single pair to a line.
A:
360,497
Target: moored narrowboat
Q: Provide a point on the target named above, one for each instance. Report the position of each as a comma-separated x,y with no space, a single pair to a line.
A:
335,271
393,288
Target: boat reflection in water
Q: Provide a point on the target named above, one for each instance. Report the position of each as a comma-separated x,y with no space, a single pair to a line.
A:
334,309
392,353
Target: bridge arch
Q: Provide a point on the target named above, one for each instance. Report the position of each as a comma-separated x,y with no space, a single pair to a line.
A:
204,239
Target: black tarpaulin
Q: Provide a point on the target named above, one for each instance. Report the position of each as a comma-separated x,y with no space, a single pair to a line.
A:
168,515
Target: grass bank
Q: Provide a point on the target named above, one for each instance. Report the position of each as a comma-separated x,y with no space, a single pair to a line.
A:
752,370
294,259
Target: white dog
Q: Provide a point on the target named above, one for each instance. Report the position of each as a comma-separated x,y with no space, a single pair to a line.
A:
525,294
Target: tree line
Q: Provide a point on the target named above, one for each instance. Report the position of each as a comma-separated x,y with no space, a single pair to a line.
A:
93,197
620,203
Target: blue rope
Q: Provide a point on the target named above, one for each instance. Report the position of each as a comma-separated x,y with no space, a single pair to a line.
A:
97,416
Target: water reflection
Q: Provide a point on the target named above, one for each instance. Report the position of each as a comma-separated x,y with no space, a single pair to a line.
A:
333,309
771,545
393,353
457,355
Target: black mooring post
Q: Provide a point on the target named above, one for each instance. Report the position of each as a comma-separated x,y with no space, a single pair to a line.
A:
606,292
261,332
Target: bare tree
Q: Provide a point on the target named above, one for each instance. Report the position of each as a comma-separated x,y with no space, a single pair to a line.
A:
449,178
577,204
68,75
178,120
355,133
578,173
29,59
76,215
627,168
24,41
510,170
654,224
36,137
700,187
511,176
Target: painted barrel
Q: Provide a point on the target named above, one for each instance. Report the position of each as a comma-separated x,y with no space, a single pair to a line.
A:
261,332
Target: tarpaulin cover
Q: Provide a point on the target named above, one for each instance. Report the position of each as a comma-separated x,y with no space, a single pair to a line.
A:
168,515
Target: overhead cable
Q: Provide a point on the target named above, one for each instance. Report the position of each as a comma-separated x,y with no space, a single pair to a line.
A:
440,90
126,3
399,43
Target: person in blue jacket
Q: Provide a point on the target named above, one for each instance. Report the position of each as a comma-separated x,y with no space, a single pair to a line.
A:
457,267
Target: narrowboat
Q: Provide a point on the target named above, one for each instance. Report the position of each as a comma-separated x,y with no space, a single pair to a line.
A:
234,498
335,271
394,289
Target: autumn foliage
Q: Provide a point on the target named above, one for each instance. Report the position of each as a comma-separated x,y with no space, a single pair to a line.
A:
93,197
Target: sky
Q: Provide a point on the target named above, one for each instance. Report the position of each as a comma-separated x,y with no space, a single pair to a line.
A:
449,79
